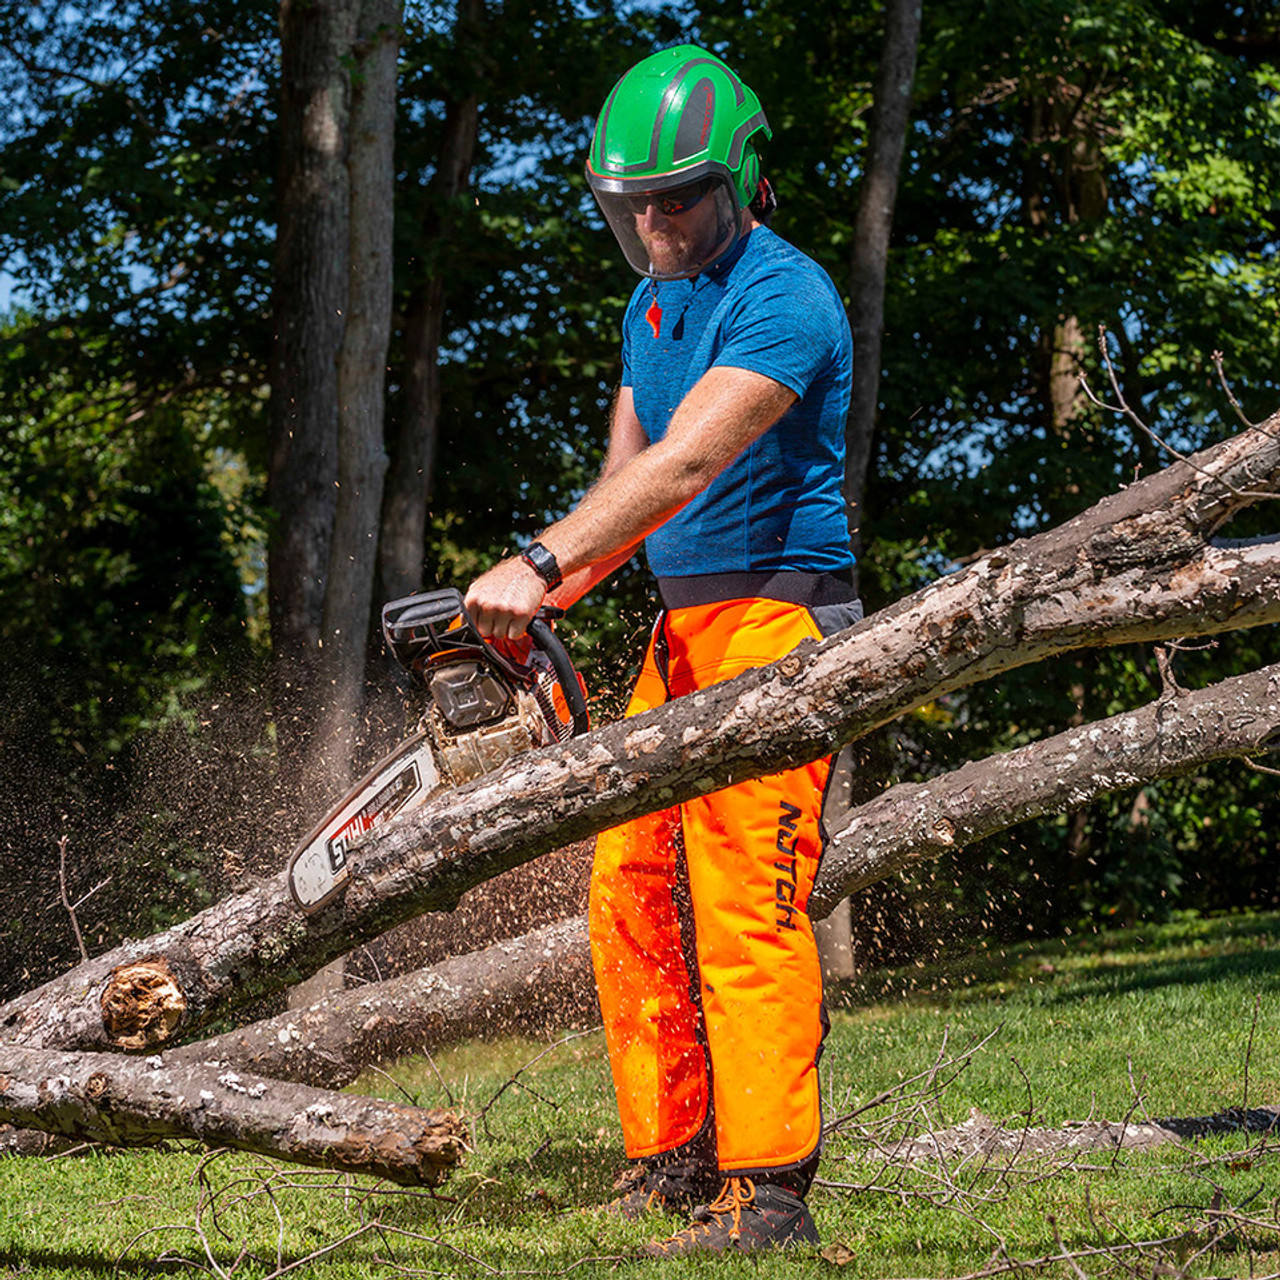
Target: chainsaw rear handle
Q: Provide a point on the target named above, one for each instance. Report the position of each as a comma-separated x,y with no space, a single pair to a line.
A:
541,634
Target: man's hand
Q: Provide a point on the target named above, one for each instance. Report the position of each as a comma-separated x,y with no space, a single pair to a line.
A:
504,601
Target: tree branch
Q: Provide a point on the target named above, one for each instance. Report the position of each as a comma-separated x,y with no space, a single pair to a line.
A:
548,971
132,1102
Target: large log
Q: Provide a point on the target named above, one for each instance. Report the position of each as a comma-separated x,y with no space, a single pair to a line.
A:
545,974
1177,734
1138,566
138,1101
548,971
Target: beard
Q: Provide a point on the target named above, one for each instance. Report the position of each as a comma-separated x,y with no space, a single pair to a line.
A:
676,248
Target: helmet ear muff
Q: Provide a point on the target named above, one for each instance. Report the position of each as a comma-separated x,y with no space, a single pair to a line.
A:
748,175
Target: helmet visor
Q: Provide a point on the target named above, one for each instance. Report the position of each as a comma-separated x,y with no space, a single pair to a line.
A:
670,232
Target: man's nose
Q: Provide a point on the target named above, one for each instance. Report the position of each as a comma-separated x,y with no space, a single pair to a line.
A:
653,219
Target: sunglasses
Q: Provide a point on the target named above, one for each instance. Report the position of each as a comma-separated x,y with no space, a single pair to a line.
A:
674,202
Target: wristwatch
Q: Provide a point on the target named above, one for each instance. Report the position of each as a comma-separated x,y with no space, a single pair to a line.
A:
543,563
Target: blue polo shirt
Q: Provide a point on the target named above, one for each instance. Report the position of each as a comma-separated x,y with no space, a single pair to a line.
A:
768,308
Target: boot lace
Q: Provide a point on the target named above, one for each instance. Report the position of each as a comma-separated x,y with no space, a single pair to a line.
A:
736,1195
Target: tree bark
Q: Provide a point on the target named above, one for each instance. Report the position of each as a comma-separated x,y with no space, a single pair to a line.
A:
544,976
1175,735
548,972
135,1102
979,1139
414,434
362,362
1138,566
310,297
890,114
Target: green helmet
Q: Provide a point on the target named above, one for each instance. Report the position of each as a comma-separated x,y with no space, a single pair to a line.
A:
674,137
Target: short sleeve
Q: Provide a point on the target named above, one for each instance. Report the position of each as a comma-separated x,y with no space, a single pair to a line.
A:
628,328
786,327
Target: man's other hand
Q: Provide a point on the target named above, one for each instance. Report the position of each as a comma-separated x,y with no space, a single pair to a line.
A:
504,601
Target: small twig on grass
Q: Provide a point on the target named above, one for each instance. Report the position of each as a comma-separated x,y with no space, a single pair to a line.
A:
958,1169
1030,1111
78,1150
213,1203
404,1093
1137,1102
1062,1248
515,1079
486,1267
1095,1251
898,1093
1248,1053
431,1062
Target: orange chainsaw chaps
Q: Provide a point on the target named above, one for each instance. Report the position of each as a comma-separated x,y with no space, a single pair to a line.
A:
735,868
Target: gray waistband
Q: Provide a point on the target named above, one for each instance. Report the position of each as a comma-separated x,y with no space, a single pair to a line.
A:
811,589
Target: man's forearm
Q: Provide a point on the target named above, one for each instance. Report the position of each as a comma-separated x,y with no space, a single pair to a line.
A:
640,489
577,583
719,418
621,510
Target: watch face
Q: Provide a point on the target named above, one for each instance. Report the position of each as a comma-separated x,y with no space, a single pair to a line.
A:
543,563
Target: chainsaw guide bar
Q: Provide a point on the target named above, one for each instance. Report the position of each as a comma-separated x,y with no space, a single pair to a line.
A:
319,868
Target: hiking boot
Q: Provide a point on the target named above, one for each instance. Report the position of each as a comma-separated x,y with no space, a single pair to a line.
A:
742,1218
646,1190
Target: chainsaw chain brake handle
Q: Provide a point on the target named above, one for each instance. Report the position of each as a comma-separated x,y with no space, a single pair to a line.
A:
418,626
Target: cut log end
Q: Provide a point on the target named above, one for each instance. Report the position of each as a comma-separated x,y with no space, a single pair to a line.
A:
412,1154
142,1004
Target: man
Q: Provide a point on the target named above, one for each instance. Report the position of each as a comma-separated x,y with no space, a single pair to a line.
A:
726,458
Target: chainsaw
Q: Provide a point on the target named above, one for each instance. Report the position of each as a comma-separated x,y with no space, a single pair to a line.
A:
475,708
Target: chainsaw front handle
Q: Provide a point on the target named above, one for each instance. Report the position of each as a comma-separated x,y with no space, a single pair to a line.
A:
544,638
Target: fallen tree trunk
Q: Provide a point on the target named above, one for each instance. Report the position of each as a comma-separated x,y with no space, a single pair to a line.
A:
548,971
981,1139
1138,566
544,973
1177,734
135,1102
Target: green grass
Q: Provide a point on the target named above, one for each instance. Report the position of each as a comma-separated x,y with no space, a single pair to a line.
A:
1155,1022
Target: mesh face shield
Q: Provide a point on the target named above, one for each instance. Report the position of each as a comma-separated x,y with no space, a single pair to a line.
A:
670,227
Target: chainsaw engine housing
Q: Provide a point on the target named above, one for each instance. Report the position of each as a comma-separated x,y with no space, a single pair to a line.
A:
473,708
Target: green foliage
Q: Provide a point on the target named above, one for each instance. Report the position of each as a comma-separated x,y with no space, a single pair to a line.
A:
121,605
135,181
1068,166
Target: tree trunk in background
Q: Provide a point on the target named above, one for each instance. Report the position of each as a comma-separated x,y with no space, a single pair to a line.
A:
414,432
889,116
309,302
1065,187
362,363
